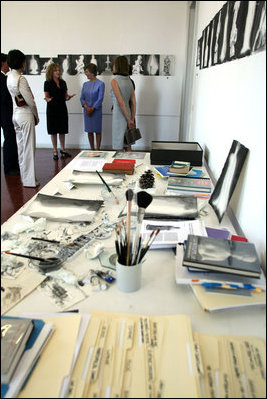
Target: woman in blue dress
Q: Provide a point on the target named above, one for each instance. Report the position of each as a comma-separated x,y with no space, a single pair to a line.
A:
124,103
91,99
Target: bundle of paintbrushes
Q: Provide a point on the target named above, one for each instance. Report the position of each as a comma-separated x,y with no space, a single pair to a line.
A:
131,250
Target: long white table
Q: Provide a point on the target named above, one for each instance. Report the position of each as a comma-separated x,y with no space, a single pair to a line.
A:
159,293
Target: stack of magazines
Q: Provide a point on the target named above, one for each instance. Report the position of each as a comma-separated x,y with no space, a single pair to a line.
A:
199,187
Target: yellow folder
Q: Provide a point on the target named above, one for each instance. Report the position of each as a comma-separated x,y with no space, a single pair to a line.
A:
56,359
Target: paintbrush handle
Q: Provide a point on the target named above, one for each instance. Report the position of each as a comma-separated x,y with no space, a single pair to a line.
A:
108,188
128,231
144,251
44,239
26,256
140,217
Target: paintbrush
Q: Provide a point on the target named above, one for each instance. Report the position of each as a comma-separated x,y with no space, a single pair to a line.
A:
129,197
44,239
144,247
108,188
144,250
45,260
143,201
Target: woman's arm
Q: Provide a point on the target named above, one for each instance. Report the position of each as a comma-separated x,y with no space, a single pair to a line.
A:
116,90
133,105
69,96
47,96
26,92
100,97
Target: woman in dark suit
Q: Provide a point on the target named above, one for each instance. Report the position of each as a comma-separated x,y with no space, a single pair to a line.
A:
10,150
56,95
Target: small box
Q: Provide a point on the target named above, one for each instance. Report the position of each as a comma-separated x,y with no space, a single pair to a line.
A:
165,152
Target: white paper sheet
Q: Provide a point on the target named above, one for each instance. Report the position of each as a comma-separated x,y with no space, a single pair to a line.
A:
171,232
87,164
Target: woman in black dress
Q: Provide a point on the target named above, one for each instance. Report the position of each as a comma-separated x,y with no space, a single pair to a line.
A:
56,95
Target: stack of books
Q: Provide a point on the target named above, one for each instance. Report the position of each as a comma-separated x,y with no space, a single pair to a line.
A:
120,166
179,167
226,256
22,342
223,273
164,172
14,336
199,187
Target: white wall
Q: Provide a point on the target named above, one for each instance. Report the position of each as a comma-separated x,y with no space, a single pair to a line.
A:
103,27
230,103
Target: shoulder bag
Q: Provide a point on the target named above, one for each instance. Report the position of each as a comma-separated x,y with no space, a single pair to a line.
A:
20,101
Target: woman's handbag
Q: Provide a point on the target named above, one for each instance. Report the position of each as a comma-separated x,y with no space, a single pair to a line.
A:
20,101
131,136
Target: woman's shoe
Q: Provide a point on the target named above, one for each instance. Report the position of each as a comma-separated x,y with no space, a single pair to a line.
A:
55,157
65,154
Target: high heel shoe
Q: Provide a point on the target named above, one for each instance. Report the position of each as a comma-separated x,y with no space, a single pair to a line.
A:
65,154
55,157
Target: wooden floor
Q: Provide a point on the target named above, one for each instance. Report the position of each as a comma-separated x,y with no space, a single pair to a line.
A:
14,195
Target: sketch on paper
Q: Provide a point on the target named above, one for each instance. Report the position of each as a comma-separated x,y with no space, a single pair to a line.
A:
44,62
151,64
11,267
61,294
14,290
64,62
166,65
105,64
137,64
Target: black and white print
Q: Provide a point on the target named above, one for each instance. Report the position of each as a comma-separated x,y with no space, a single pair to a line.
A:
236,31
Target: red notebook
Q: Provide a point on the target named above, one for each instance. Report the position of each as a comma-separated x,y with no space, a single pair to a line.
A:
119,167
124,160
238,238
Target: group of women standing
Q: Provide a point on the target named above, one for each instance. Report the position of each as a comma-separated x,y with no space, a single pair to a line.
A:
25,117
124,104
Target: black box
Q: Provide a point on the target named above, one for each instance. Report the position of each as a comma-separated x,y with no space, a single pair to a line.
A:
164,152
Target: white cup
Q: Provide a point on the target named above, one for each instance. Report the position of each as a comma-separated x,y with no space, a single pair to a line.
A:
128,277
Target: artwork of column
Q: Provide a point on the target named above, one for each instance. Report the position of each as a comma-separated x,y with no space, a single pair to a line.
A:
236,31
33,65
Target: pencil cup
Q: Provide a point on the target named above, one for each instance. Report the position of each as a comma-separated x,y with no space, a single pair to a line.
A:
128,277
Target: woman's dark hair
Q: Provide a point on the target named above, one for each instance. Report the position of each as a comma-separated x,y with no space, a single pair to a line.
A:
91,68
15,59
121,66
3,57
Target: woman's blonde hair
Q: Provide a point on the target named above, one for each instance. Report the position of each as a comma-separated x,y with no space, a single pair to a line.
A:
50,69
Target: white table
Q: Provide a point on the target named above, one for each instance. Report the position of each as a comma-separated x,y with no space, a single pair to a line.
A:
159,293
